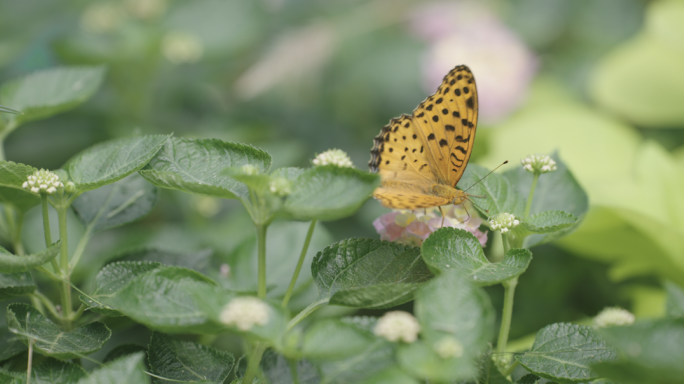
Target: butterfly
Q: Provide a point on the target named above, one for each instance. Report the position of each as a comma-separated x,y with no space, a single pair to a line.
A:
422,156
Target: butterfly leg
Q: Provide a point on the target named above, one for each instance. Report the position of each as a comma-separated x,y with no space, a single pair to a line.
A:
440,211
466,209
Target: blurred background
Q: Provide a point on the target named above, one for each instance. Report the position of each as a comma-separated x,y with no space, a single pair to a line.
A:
599,81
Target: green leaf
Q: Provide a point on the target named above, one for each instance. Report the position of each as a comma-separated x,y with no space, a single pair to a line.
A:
10,344
196,166
452,248
27,322
123,350
110,280
277,370
186,361
555,191
449,307
674,306
392,375
199,260
10,263
12,176
332,339
650,352
16,284
116,204
529,379
368,273
164,299
545,226
329,193
53,371
9,110
48,92
377,358
128,369
500,195
564,352
113,160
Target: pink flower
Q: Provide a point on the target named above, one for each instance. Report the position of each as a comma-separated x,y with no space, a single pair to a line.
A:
413,228
466,32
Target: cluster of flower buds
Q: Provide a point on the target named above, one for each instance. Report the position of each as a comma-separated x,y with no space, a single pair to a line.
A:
613,316
245,312
448,347
335,157
280,186
413,228
398,326
43,181
538,164
503,221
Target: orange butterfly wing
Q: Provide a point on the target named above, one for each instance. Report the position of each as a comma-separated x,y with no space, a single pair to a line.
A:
432,146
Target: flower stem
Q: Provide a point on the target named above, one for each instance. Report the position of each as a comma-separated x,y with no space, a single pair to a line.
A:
509,292
253,363
47,303
64,265
46,229
30,362
261,244
511,368
528,206
506,244
304,313
18,247
295,275
82,243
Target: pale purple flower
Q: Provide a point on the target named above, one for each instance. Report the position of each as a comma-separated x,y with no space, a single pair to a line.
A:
411,228
466,32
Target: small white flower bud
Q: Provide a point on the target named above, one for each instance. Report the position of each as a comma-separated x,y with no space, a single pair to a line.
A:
182,47
280,186
335,157
398,326
245,312
70,187
25,185
538,164
503,221
101,17
35,189
613,316
448,347
250,169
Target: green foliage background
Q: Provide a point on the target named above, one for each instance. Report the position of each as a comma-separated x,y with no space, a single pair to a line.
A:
608,97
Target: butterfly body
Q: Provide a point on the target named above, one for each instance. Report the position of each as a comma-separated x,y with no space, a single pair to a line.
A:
420,157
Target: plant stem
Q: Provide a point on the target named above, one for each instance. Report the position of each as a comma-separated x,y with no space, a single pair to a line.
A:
295,275
511,368
18,247
30,362
261,244
506,245
528,206
47,303
509,292
64,264
304,313
253,363
46,229
293,369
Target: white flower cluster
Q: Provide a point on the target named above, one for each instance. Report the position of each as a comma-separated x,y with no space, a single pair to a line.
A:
280,186
503,221
245,312
613,316
448,347
182,47
398,326
335,157
538,164
43,181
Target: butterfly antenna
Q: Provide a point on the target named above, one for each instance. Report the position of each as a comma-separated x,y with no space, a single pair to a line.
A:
477,206
492,171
